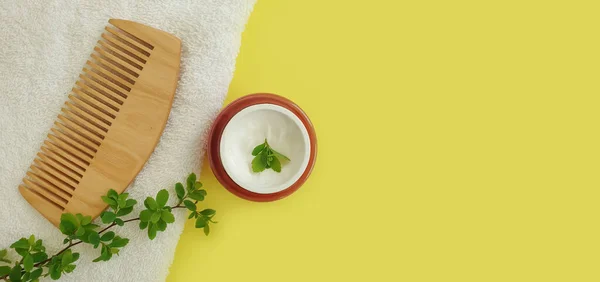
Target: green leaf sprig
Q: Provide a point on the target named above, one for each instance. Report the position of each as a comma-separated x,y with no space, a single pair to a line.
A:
157,215
265,157
80,229
32,252
195,192
119,205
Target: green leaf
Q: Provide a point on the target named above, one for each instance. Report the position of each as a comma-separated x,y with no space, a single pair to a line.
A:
122,200
15,273
31,240
276,165
206,229
108,254
200,222
109,201
25,276
4,270
118,242
161,225
152,231
55,273
151,204
202,192
28,263
68,223
265,159
155,216
86,220
180,191
145,215
105,254
21,244
167,217
258,164
91,227
196,196
162,197
143,225
190,181
3,253
66,240
35,274
125,211
39,257
192,214
258,149
107,236
67,258
75,257
108,217
94,238
80,232
69,268
22,252
198,185
119,222
208,212
190,205
269,155
130,203
113,194
280,156
38,245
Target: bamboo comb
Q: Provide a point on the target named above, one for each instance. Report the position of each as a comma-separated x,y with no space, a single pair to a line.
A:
110,124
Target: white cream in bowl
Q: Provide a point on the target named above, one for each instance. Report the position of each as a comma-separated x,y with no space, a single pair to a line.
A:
285,133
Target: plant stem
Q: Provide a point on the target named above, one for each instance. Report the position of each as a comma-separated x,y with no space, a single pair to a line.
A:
134,219
60,252
113,224
71,244
50,258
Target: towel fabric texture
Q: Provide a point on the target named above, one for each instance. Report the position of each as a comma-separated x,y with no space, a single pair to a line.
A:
43,47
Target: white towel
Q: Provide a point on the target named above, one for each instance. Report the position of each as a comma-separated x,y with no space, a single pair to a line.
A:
43,47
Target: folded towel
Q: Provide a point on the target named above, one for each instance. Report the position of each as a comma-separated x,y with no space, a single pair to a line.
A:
43,47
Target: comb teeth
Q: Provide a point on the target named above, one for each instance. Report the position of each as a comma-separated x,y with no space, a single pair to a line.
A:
130,40
110,124
103,87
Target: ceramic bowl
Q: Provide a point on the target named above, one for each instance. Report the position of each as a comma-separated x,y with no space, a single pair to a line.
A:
260,116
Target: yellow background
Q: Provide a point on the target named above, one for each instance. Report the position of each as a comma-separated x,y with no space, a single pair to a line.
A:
458,141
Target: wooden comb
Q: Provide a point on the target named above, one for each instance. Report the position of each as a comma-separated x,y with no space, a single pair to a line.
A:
111,123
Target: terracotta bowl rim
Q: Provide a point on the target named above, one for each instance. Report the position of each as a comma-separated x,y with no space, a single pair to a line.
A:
223,119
